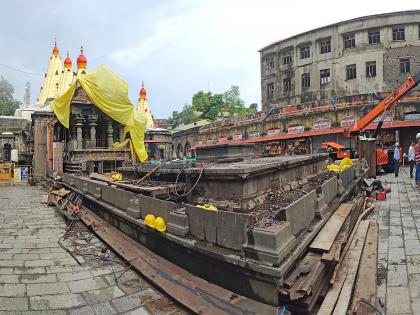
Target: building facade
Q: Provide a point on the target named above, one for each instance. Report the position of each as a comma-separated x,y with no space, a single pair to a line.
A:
357,57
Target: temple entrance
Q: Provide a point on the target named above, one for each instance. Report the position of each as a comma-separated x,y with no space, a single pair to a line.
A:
7,149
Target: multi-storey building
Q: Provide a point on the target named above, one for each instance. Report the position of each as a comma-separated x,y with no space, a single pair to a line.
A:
350,58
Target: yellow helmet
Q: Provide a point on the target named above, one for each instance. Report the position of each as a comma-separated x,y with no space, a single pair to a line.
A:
150,220
160,224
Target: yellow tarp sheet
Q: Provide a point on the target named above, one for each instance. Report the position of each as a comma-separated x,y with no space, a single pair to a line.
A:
110,94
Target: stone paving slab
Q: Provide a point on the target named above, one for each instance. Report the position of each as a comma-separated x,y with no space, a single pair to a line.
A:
38,277
399,245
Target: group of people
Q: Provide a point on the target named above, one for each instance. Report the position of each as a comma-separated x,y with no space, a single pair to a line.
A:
414,159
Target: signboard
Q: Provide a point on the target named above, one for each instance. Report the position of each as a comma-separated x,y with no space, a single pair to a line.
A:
273,132
237,136
296,129
412,116
387,118
348,122
253,134
24,173
17,173
322,124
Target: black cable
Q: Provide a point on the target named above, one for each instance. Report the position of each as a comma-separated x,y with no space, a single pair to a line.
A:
18,70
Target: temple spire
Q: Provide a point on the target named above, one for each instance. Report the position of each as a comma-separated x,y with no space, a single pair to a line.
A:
143,106
81,64
67,76
50,86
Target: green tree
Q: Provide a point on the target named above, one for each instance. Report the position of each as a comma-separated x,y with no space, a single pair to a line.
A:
8,104
206,105
186,116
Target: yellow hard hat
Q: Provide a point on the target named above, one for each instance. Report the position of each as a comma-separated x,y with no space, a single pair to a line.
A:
160,224
150,220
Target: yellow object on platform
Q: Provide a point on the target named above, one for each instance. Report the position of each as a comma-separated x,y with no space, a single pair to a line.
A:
160,224
149,220
207,207
110,94
116,176
344,164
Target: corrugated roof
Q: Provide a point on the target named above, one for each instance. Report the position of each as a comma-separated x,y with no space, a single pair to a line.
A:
199,123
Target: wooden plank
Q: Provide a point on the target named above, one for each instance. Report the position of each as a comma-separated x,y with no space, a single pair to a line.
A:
351,261
366,277
325,238
197,294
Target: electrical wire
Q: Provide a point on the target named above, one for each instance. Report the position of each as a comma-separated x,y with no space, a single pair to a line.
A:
18,70
184,194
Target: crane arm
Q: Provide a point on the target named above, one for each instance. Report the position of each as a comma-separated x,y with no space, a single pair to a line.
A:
386,103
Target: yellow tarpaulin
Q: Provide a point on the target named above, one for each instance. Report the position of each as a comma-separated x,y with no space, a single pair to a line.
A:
110,94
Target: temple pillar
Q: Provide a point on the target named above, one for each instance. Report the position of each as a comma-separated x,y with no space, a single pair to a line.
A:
93,125
110,134
79,132
122,136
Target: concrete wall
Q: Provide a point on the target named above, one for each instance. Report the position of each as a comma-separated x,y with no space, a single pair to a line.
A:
338,58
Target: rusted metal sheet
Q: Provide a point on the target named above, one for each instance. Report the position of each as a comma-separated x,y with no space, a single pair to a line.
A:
193,292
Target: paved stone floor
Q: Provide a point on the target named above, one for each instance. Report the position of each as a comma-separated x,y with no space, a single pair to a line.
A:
37,276
399,246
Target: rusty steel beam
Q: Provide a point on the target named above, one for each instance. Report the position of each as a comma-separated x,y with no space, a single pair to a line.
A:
194,293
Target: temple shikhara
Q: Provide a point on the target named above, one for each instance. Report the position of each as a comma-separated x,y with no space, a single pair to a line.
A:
60,76
143,106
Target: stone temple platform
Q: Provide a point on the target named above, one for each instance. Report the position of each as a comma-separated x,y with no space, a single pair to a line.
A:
229,247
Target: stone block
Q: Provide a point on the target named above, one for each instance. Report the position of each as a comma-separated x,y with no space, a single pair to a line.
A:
320,206
178,223
133,209
202,223
347,176
85,186
269,244
157,207
301,212
329,190
117,197
340,187
231,229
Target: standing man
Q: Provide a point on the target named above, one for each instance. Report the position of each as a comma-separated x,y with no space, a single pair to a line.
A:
411,158
12,173
417,154
397,158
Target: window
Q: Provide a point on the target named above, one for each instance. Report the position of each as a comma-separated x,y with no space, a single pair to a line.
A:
404,65
350,72
374,36
305,52
349,41
306,81
419,30
325,76
269,64
398,33
287,86
286,57
325,46
371,69
270,90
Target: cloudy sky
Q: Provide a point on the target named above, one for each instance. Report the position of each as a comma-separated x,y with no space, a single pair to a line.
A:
177,47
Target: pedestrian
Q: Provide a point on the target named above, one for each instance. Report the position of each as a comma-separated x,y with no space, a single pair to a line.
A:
417,155
411,158
397,158
12,173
